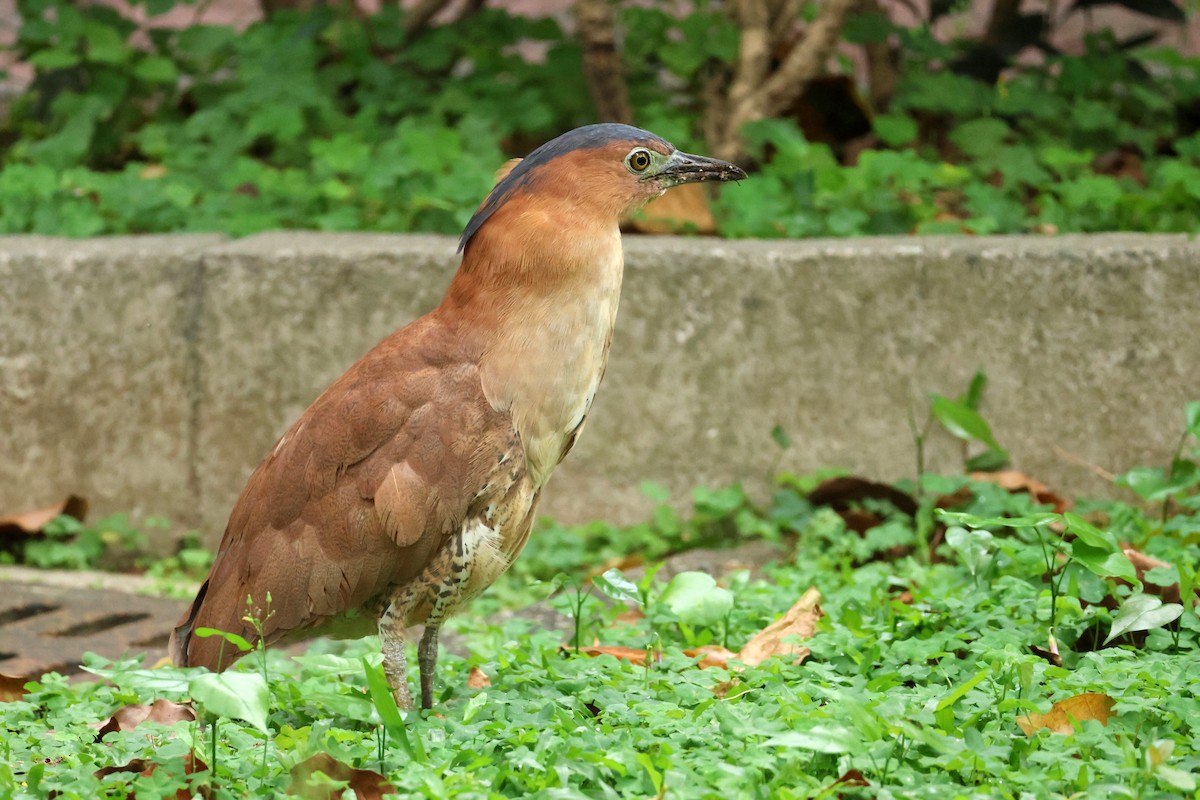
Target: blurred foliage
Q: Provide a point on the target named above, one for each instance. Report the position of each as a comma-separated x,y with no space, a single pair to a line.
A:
329,120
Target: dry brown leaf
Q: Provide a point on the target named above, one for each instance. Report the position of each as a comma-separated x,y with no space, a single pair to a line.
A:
800,621
191,764
30,522
1090,705
623,563
12,687
1143,564
849,778
367,784
161,711
478,679
684,209
1014,481
711,655
841,492
631,654
630,616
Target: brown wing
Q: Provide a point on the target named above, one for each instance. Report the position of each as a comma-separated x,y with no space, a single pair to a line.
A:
356,496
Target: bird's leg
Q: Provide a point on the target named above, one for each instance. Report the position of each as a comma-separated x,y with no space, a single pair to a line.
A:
395,661
447,590
427,653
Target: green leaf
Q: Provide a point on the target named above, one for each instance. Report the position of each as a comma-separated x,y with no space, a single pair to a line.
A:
655,492
381,696
963,422
1152,484
987,461
1103,561
154,681
1176,778
105,43
895,130
237,695
960,691
979,138
237,641
972,546
473,707
718,502
821,739
1143,612
54,59
780,437
973,521
696,599
156,69
1089,533
1192,414
615,585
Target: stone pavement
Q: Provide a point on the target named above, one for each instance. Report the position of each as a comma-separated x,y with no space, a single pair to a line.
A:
47,623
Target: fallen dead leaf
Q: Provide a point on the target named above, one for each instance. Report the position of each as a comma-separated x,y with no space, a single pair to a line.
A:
367,784
1143,564
623,563
191,764
1014,482
31,522
12,687
849,778
161,711
631,654
844,493
630,616
478,679
799,621
710,655
1090,705
843,490
684,209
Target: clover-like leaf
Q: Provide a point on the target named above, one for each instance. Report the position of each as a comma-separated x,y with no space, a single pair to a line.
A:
972,546
821,739
1143,612
614,584
237,695
696,599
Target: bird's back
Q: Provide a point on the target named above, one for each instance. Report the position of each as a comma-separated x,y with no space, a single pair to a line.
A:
356,497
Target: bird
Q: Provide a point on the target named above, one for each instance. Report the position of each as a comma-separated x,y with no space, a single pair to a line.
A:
411,483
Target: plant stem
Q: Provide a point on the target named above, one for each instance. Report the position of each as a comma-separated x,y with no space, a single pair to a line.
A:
212,761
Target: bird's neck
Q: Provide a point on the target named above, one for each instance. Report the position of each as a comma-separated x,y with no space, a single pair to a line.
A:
541,320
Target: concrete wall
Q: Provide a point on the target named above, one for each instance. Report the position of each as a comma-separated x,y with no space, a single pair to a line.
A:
151,374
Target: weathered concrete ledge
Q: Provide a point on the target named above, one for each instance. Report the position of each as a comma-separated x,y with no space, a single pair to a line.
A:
151,374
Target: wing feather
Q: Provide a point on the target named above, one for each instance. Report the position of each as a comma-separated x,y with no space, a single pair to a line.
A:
356,497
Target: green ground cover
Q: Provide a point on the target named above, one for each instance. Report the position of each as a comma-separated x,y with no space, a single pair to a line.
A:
331,121
948,626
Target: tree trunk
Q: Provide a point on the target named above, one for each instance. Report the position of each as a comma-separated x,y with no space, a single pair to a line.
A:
602,67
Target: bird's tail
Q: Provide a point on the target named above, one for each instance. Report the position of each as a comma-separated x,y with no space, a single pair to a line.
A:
188,650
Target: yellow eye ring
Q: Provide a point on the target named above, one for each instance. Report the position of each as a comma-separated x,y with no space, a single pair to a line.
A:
639,160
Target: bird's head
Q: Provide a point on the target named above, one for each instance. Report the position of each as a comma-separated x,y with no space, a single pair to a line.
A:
602,172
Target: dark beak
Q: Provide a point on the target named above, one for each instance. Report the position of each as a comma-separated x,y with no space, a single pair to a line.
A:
687,168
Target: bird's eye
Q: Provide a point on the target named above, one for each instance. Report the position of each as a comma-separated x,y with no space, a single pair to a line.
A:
638,160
